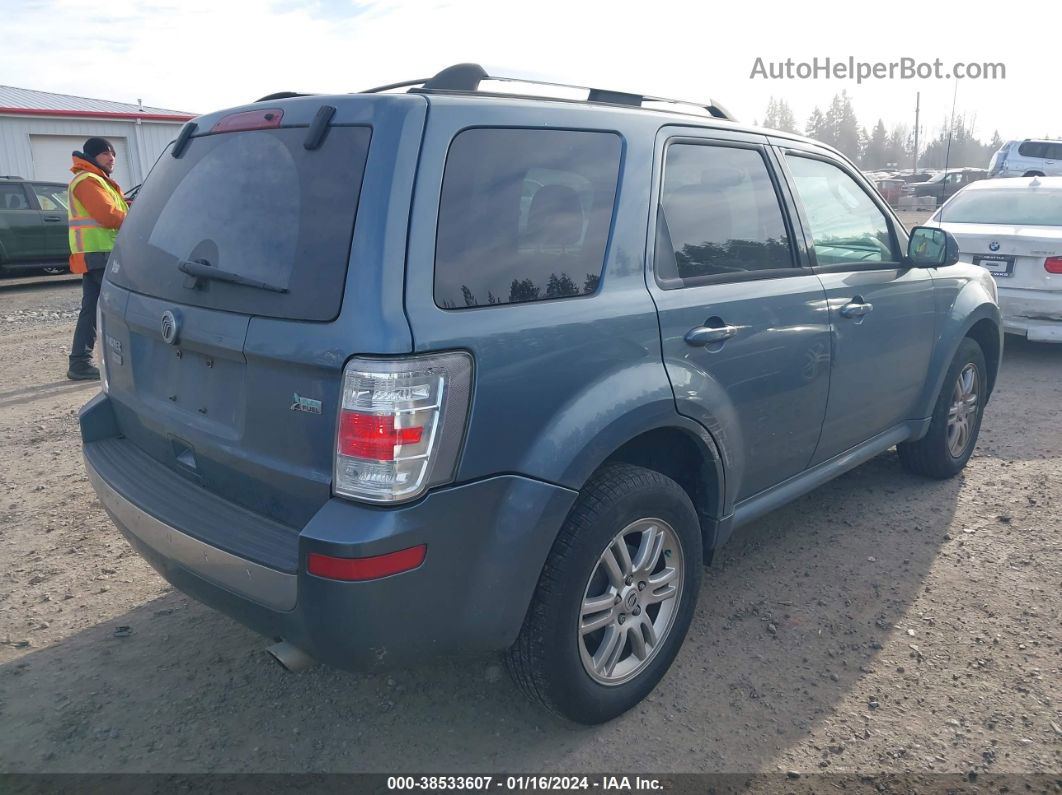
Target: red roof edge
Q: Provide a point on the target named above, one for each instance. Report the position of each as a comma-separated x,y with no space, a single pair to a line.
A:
97,114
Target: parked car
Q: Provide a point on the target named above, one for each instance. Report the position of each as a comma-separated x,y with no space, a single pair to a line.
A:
1028,158
1013,228
33,225
941,187
890,189
463,372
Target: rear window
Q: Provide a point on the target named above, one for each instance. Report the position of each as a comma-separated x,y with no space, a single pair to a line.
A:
1013,207
524,215
256,204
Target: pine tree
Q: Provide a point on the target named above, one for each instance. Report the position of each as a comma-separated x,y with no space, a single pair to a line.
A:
842,127
786,119
770,118
779,116
864,142
816,126
876,153
560,286
898,150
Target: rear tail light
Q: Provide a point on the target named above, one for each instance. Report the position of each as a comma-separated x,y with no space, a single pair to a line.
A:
400,425
1053,264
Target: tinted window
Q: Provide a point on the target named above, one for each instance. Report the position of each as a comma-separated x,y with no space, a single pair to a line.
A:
51,198
524,215
719,214
1054,151
257,204
1030,207
12,197
846,225
1033,149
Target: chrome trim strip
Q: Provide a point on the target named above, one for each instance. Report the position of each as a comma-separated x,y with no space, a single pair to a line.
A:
268,587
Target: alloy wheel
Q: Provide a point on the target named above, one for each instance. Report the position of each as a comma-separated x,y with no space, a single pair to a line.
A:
630,601
962,414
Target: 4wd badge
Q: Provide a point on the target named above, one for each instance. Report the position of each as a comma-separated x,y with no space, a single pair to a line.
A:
307,405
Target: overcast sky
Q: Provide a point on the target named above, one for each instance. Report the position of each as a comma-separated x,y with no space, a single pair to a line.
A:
202,55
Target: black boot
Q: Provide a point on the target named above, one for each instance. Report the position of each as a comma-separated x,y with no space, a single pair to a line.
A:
82,370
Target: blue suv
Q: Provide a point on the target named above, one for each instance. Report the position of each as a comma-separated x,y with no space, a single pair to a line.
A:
402,374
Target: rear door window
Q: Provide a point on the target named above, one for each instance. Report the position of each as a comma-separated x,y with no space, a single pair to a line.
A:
524,215
1033,149
719,215
257,204
13,197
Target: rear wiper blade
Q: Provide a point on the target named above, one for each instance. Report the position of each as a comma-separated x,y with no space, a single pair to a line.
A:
200,270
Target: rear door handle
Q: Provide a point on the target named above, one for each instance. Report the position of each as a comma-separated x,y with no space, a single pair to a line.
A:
704,335
855,309
51,219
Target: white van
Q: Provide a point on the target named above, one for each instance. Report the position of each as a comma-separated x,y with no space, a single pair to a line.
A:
1028,158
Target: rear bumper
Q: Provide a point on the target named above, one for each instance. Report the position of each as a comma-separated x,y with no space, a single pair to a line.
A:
486,543
1035,314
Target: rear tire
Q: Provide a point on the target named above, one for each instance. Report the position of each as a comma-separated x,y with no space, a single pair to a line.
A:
944,450
1033,174
606,621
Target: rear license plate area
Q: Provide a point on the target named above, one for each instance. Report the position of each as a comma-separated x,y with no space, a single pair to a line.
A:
208,390
998,266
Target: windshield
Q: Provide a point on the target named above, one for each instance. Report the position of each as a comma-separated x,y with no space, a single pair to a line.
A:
257,205
1011,207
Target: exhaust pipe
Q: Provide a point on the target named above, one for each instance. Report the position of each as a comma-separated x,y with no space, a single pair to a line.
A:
291,657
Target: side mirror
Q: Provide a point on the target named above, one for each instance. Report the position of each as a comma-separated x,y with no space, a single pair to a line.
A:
929,247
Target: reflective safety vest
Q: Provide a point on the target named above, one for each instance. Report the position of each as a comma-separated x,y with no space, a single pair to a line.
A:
87,234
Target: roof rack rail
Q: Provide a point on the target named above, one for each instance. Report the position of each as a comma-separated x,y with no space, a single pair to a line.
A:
281,95
468,76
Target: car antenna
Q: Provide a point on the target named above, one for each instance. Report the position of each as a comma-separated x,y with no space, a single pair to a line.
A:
947,154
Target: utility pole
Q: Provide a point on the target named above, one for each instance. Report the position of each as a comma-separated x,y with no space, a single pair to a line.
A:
918,105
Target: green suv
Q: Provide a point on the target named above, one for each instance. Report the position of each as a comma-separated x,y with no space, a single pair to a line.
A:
33,225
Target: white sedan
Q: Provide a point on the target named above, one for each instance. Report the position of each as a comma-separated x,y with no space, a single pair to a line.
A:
1013,227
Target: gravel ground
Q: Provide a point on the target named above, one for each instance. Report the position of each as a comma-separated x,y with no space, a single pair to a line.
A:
883,623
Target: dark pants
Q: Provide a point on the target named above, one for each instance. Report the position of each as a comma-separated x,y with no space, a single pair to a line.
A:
85,330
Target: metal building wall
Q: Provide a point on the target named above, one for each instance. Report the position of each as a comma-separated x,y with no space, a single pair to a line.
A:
145,141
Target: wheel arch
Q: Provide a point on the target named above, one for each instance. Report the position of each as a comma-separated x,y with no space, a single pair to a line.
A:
986,333
983,324
691,459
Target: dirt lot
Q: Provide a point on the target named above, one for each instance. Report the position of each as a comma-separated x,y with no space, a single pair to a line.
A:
882,623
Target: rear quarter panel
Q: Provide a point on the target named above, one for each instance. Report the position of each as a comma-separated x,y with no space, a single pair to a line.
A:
559,384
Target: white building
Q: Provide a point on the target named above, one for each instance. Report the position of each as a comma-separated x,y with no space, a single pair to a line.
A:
39,130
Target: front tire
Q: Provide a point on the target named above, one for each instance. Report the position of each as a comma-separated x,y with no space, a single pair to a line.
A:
944,450
615,598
